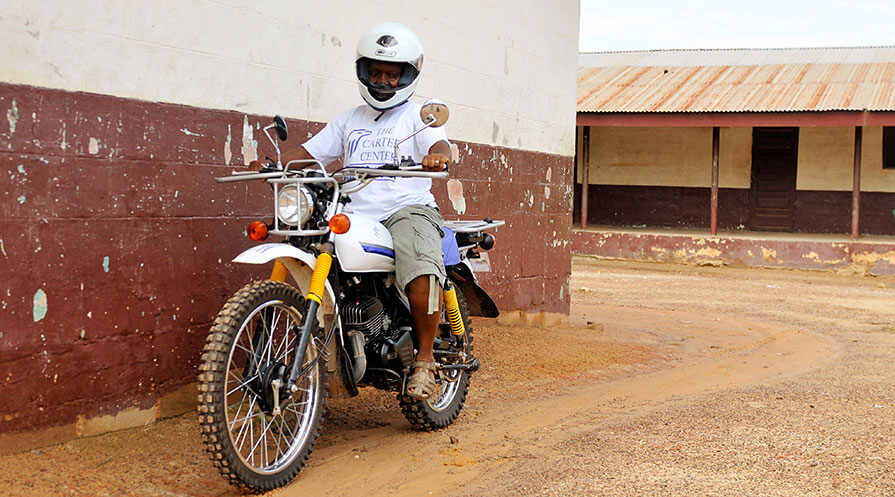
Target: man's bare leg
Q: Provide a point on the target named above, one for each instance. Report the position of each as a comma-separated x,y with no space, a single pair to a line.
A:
425,324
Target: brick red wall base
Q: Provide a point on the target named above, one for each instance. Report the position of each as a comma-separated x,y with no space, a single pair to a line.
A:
115,243
689,207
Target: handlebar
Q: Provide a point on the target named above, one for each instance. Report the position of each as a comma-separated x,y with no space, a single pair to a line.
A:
360,173
405,172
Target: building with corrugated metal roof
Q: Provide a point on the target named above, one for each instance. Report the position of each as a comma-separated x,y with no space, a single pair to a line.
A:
739,141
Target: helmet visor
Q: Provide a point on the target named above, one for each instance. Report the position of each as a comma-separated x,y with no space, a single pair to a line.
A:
382,90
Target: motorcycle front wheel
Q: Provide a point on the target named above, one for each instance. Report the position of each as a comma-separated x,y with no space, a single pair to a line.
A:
257,435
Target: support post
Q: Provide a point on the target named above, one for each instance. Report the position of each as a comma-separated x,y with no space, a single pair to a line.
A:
585,170
856,186
714,212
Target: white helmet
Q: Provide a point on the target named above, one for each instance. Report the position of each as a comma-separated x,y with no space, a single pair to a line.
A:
389,42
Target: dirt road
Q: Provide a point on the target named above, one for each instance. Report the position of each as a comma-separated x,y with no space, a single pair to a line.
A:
669,380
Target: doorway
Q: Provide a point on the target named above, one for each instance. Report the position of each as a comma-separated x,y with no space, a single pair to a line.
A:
773,192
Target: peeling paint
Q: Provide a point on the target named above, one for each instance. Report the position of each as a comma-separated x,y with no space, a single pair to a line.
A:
768,254
40,305
547,192
455,153
816,258
227,153
21,199
249,145
93,145
549,173
874,257
106,263
12,115
189,133
455,194
708,252
3,249
21,169
64,144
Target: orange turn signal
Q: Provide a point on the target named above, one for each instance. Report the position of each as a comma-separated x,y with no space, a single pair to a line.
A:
339,224
257,231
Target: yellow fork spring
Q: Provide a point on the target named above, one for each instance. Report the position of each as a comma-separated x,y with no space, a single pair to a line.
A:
318,278
279,271
452,307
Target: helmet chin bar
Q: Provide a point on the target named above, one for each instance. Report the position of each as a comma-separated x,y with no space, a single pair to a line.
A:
381,92
397,97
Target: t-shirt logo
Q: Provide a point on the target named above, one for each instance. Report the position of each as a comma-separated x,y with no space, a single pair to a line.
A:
354,138
366,147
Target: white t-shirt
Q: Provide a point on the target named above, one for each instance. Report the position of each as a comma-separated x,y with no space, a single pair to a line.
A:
361,140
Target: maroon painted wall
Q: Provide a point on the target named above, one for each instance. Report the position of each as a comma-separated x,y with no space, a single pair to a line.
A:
688,207
114,263
662,207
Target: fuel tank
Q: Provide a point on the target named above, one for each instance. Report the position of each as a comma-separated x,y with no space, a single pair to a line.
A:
367,246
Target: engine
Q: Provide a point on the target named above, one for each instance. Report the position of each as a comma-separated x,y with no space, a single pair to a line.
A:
364,314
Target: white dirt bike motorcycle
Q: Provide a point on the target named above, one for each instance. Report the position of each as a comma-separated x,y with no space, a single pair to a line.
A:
276,350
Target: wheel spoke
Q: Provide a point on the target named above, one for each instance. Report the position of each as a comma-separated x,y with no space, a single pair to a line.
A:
247,351
240,404
240,439
261,437
268,351
244,383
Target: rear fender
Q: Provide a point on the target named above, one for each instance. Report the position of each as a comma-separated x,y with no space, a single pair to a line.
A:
477,299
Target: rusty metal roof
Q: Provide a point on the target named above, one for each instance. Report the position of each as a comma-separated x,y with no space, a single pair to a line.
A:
741,80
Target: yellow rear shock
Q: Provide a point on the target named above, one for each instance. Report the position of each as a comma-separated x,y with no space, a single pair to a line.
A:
279,272
318,278
452,307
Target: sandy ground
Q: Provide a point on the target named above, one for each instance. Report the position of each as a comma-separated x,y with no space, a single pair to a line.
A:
669,380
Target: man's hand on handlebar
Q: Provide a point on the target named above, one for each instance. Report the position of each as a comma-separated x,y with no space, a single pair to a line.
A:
434,162
257,165
295,154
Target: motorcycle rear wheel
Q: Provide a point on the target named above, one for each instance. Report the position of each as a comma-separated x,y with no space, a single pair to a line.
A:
441,409
251,344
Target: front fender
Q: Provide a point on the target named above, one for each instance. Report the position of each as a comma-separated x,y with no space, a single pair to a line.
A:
266,252
300,264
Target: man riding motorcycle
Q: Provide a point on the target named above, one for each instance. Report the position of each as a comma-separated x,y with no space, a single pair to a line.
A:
388,66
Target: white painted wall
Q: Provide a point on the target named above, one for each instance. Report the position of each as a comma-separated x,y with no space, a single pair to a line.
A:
827,158
507,68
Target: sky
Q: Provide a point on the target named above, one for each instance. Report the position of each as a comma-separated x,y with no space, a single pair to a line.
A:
650,24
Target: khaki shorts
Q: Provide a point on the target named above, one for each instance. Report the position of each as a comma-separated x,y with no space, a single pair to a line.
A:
416,234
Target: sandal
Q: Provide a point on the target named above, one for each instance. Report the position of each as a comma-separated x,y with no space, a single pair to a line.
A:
421,383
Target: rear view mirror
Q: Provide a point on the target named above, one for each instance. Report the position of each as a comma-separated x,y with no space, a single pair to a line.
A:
434,113
280,125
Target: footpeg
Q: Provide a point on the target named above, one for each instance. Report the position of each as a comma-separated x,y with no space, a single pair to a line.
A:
470,366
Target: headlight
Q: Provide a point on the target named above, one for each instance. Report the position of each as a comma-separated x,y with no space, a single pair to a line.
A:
294,205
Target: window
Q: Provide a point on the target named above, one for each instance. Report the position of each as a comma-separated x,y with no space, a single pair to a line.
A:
888,147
